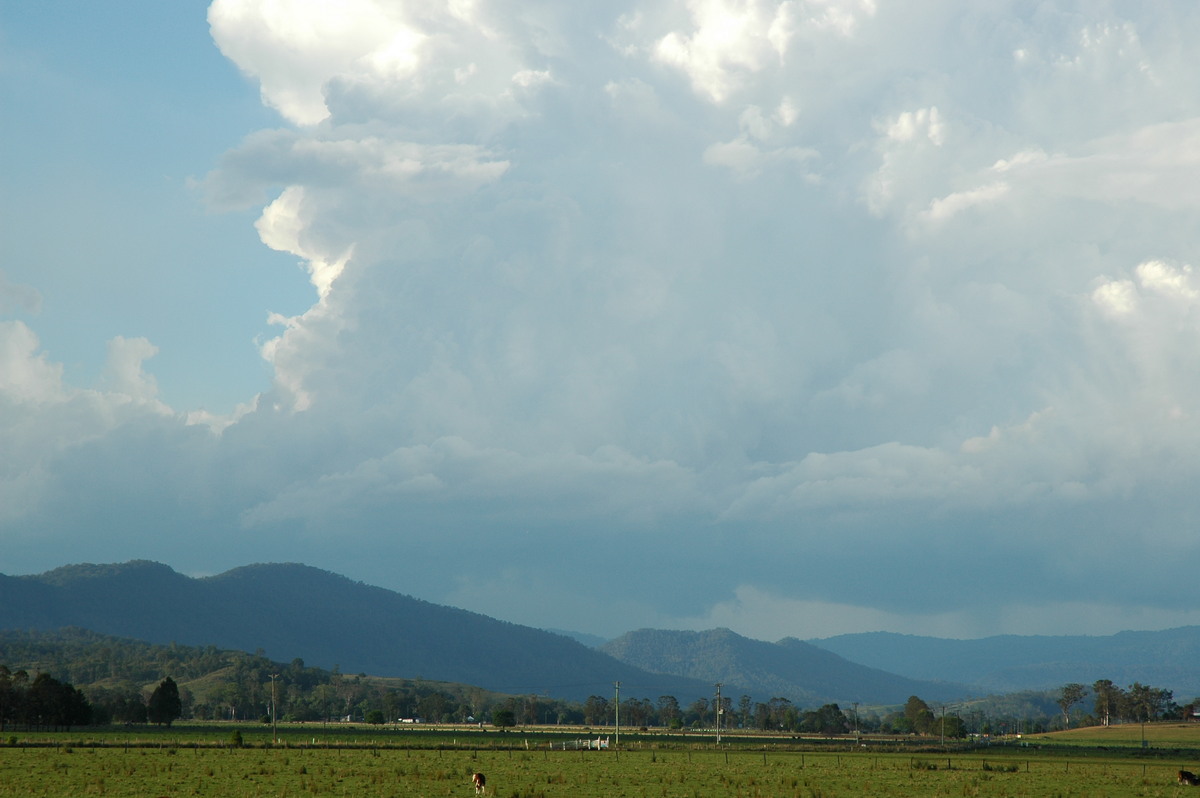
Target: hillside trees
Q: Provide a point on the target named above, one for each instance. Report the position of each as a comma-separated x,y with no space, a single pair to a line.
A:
433,707
122,703
234,685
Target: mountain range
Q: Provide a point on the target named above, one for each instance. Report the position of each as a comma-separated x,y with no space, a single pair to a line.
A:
291,610
792,669
297,611
1008,663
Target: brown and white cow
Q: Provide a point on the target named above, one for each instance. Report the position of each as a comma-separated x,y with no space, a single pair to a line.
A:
1189,778
480,782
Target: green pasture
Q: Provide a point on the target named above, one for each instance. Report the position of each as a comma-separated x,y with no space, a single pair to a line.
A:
200,762
1157,736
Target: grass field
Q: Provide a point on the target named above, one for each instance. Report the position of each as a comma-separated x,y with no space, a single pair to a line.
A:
1129,735
197,762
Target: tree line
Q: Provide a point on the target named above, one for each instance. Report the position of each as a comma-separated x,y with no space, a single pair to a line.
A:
42,702
255,688
1139,703
123,682
45,703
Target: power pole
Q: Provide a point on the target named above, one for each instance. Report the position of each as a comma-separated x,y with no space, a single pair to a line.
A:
719,709
617,709
274,712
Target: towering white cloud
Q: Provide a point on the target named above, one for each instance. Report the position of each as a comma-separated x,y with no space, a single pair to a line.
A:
738,286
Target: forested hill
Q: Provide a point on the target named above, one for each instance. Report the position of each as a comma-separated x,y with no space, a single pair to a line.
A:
789,668
117,676
1005,663
296,611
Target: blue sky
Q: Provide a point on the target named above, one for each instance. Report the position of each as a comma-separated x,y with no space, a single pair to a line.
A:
112,116
797,317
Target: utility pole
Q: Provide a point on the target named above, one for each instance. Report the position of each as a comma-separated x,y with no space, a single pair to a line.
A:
274,712
719,709
617,709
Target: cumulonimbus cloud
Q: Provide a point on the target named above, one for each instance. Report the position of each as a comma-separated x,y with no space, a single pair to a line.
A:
698,272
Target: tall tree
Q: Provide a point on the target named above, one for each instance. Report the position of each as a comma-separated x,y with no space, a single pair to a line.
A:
1070,695
668,710
745,706
953,726
781,712
8,697
1108,700
595,710
164,705
919,715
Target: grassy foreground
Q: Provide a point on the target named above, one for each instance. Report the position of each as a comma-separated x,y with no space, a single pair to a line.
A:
188,767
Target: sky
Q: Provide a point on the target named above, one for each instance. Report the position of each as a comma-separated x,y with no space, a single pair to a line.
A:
798,318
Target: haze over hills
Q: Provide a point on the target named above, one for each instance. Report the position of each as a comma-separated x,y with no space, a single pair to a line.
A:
291,610
297,611
1006,663
791,668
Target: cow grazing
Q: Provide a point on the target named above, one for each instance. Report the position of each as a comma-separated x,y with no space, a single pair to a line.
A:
480,782
1189,778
